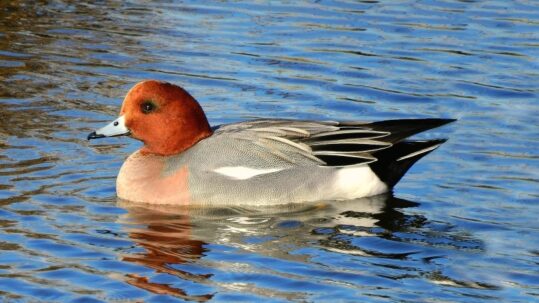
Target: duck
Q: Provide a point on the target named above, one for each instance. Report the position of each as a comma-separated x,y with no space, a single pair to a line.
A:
261,162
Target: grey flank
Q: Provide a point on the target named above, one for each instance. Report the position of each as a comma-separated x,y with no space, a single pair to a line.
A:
307,155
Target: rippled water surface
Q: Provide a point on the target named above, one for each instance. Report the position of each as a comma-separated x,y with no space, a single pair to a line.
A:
460,227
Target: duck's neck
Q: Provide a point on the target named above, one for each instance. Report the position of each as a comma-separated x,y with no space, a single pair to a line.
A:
176,144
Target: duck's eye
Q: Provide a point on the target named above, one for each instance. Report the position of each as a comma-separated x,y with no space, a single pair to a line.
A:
147,107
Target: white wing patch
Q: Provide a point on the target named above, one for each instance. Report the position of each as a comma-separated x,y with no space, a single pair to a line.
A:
244,173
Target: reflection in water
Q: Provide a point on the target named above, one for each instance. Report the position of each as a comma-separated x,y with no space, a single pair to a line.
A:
175,235
166,240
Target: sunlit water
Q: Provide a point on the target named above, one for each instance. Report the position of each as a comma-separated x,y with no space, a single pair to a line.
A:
460,227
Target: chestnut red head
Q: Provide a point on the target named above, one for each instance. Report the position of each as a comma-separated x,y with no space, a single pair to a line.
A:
162,115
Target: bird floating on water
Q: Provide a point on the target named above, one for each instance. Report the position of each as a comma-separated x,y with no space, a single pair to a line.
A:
260,162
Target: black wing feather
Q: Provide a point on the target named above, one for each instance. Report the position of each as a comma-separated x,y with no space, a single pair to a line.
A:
404,128
359,143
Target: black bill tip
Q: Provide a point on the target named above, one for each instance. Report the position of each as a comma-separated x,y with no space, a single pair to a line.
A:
93,135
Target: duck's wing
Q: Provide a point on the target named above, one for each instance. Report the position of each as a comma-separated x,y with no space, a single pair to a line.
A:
281,161
331,143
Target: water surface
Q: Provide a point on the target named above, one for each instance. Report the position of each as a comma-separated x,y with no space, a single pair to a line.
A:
460,227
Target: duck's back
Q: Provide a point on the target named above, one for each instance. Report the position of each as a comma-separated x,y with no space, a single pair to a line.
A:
254,163
282,161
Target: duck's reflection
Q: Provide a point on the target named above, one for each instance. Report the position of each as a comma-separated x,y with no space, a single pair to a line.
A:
166,240
170,236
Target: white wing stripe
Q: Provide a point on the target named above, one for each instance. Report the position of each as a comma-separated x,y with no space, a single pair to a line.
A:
422,151
244,173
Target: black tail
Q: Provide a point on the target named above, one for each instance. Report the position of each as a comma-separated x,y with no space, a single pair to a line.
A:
395,161
404,128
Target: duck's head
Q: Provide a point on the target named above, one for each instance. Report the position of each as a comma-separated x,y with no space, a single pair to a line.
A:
162,115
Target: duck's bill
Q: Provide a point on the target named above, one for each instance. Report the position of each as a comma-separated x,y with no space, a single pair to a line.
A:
113,129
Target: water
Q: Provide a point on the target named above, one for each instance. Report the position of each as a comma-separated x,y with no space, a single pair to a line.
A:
460,227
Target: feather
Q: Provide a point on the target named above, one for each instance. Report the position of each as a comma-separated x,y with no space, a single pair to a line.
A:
331,143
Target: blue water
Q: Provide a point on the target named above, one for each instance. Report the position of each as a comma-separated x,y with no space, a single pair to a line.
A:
460,227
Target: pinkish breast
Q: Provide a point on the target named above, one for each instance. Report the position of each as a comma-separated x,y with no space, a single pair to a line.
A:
142,178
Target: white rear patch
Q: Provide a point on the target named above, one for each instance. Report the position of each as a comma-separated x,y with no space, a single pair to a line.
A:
243,173
357,182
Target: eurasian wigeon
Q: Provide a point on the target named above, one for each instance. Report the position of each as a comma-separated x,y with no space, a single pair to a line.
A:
260,162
